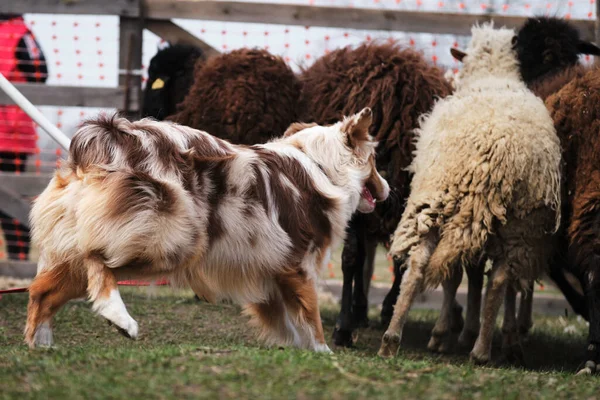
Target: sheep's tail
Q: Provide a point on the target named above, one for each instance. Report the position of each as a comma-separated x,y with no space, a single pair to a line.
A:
442,261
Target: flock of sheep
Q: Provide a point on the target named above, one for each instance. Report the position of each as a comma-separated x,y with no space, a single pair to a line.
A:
498,163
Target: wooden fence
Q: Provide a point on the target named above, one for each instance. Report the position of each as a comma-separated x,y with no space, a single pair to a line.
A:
156,15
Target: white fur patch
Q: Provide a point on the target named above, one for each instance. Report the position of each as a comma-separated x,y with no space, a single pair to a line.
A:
113,309
322,348
43,335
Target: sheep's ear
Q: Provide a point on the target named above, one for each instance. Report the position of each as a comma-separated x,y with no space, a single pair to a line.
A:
357,127
588,48
457,54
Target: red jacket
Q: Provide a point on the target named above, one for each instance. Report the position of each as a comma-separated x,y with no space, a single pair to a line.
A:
17,130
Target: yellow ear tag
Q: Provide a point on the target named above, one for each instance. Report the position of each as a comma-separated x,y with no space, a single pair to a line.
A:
158,84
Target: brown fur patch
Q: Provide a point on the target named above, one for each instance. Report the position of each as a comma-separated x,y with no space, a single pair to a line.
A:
373,182
49,291
245,96
297,127
305,224
300,297
137,191
357,127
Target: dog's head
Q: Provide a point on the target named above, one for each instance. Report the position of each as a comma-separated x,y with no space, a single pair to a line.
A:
346,152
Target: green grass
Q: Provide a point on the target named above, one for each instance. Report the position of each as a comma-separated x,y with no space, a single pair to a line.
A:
196,350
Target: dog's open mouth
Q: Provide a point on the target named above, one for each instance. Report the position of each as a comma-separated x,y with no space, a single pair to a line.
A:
367,202
366,194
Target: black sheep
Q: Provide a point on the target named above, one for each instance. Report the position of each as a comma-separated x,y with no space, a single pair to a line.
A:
170,76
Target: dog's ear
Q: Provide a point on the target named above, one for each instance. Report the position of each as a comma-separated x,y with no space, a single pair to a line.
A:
297,127
357,127
457,54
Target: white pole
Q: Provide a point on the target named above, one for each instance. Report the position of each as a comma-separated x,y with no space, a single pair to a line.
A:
34,113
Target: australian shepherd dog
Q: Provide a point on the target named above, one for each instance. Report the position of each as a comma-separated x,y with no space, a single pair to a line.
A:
148,199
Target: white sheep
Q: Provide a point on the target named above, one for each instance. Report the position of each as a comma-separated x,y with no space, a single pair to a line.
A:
486,181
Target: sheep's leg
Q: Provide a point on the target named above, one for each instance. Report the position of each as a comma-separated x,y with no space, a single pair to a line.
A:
450,320
352,260
412,284
362,284
482,351
387,309
471,328
576,300
524,319
592,293
511,347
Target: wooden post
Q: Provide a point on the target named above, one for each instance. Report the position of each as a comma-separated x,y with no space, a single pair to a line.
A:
175,34
130,62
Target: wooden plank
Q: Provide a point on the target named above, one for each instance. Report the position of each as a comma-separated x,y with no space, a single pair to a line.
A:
73,96
175,34
18,269
25,184
129,8
12,204
130,59
355,18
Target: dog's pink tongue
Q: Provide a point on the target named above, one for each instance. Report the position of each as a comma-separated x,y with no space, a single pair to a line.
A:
366,193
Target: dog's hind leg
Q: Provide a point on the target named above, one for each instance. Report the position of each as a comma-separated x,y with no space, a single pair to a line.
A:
104,294
302,313
274,326
48,292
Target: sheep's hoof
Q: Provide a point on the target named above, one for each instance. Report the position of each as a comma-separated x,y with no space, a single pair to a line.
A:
390,343
441,342
467,339
342,338
514,355
480,359
590,368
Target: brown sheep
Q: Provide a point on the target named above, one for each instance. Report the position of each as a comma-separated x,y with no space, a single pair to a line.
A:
576,116
245,96
549,50
399,86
